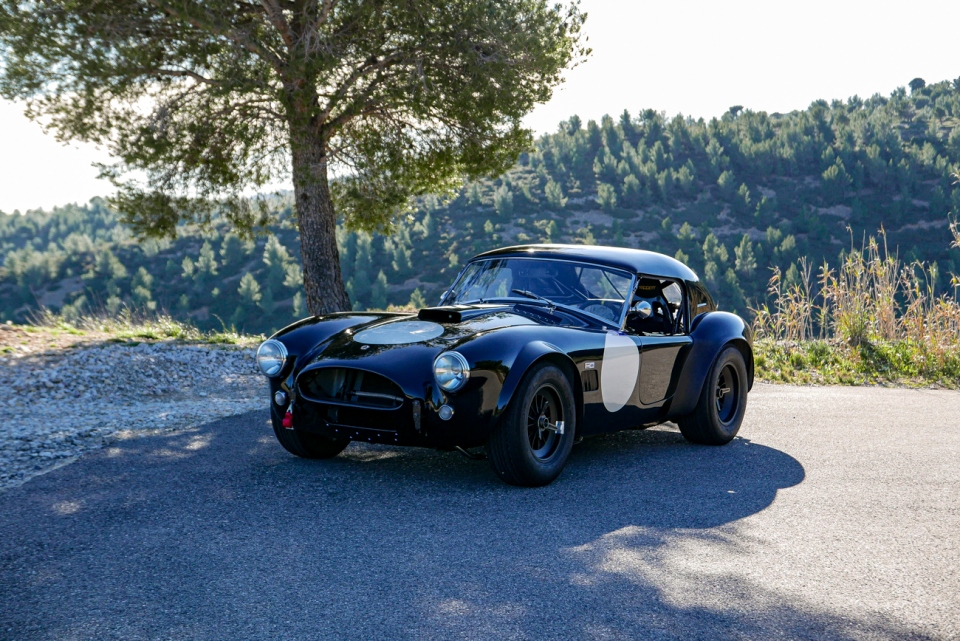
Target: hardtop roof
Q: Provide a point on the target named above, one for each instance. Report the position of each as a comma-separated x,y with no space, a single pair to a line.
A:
638,261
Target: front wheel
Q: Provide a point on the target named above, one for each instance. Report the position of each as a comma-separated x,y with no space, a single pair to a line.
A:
723,401
532,440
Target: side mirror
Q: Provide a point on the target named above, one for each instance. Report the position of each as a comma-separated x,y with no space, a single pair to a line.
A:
642,308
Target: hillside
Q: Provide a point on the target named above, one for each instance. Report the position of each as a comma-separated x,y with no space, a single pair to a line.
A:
733,196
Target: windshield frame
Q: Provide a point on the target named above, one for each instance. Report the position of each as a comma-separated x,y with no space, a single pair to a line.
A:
619,324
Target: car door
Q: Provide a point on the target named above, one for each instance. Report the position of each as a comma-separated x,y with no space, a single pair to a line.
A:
661,351
610,376
660,358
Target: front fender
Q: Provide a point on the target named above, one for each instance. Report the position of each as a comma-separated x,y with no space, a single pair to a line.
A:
712,332
529,354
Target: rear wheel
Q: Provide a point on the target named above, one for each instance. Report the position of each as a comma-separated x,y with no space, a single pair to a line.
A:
723,401
307,445
527,447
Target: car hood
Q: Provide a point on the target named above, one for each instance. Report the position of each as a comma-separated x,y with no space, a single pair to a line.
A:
426,335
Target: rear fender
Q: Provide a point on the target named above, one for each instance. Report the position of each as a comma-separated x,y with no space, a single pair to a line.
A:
711,333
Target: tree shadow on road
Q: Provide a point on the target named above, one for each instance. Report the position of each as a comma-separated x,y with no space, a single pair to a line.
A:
218,533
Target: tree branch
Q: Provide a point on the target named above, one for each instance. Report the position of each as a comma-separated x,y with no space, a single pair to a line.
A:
215,25
182,73
275,14
364,69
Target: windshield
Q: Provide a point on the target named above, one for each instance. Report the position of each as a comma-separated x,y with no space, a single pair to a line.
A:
599,291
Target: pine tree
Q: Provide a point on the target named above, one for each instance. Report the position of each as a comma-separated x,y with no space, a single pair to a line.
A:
727,184
714,250
231,250
746,262
503,201
276,257
417,301
299,307
630,191
474,196
378,292
249,289
293,277
606,196
206,266
141,286
554,195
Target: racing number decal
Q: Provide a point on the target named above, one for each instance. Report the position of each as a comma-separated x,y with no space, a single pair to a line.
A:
618,374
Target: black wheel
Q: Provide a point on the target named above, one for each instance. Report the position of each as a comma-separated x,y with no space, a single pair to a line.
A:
526,447
307,445
723,401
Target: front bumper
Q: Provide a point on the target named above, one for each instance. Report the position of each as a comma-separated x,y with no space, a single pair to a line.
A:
416,422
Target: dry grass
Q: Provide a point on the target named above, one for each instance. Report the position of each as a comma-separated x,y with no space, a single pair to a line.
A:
131,326
883,320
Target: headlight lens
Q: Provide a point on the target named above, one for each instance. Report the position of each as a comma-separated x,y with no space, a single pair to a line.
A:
451,371
271,356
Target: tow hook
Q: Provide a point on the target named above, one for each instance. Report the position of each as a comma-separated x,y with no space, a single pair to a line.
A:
288,418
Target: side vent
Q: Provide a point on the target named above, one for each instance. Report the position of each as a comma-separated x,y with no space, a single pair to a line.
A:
440,315
591,380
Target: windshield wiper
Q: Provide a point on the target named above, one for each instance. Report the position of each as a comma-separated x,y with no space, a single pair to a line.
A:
529,294
551,305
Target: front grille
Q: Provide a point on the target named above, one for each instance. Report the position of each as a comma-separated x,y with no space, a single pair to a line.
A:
346,386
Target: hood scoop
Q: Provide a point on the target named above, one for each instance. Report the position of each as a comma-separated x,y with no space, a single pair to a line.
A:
456,313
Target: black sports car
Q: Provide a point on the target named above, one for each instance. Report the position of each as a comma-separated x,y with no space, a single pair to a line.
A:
532,347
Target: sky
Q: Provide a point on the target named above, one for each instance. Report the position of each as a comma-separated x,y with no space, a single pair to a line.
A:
695,58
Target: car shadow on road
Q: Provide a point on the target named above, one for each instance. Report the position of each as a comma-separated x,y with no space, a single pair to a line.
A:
218,533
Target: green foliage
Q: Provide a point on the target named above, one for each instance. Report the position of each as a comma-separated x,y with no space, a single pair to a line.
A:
378,292
503,200
78,259
299,306
250,288
606,196
200,101
417,301
404,104
746,262
555,195
822,362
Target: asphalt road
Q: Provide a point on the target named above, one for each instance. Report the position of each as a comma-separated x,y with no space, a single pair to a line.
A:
835,516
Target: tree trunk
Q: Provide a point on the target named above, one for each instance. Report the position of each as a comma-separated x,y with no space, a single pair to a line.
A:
322,278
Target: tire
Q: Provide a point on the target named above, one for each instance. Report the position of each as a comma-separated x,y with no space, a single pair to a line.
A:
521,451
718,414
307,445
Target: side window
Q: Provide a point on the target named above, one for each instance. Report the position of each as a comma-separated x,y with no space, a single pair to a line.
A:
657,307
700,301
674,296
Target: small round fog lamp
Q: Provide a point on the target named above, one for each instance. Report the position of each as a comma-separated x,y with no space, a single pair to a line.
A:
280,398
446,412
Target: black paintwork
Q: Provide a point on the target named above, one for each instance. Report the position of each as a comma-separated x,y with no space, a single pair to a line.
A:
501,342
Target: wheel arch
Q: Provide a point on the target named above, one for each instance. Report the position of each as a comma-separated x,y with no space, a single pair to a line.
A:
712,333
530,356
747,351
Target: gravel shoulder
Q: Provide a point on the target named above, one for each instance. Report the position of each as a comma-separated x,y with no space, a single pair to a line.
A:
67,394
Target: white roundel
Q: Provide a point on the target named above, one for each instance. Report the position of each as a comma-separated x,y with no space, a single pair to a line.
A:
618,375
399,333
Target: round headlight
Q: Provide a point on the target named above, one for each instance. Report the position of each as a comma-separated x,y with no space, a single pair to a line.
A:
451,371
271,357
